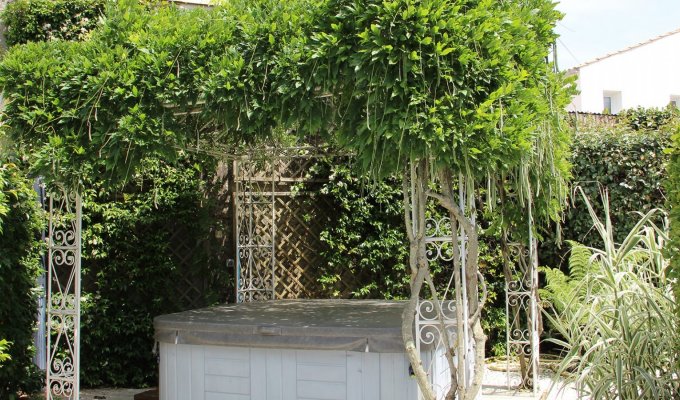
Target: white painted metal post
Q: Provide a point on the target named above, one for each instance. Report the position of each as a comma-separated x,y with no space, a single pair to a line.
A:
63,295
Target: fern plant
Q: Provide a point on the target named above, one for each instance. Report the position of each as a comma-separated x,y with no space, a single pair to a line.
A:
615,313
4,346
561,287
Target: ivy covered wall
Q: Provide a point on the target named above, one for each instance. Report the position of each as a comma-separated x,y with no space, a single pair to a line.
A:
673,190
21,222
628,160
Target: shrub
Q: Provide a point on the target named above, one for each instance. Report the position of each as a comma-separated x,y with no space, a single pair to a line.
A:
673,190
365,235
615,314
630,164
130,274
42,20
21,222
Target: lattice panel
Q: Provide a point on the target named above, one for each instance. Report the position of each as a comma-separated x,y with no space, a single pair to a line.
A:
297,247
264,184
191,285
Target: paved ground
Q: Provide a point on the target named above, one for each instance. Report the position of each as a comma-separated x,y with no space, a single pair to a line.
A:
109,394
496,385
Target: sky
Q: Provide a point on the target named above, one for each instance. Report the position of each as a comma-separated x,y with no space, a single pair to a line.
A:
593,28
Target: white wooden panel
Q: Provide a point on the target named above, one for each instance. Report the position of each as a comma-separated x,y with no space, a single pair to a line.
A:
355,383
183,368
371,376
274,375
189,372
225,396
227,367
321,390
163,371
171,372
316,357
289,374
322,373
227,384
404,385
387,372
258,374
197,372
230,353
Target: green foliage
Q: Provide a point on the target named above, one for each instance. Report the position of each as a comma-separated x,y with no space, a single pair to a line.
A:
130,274
672,185
560,287
44,20
4,356
147,82
463,84
648,119
365,236
615,314
430,79
19,268
466,85
631,165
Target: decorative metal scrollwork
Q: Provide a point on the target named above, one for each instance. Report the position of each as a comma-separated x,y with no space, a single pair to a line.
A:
63,295
522,316
255,231
439,239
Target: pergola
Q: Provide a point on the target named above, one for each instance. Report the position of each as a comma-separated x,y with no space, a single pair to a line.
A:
465,111
255,273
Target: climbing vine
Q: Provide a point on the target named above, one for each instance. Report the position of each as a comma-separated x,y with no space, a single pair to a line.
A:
448,94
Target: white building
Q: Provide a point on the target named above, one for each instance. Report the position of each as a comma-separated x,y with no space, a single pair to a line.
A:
646,74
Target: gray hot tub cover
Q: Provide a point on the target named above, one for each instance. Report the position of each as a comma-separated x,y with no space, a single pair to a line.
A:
349,325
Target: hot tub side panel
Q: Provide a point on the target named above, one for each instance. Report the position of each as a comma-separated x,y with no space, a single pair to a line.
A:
198,372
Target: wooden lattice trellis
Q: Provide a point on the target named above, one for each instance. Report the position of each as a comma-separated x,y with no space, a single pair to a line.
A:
277,225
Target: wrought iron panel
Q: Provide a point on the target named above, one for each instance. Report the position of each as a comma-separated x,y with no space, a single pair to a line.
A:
430,330
429,327
523,316
264,201
254,227
63,295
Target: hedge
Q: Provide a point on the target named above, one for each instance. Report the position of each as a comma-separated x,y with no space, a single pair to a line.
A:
42,20
21,222
673,190
130,274
628,160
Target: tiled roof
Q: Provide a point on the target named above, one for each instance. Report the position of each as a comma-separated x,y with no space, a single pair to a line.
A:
635,46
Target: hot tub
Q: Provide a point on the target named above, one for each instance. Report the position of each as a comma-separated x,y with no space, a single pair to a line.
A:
286,349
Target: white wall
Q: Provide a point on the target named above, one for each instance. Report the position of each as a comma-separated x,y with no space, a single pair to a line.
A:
645,76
